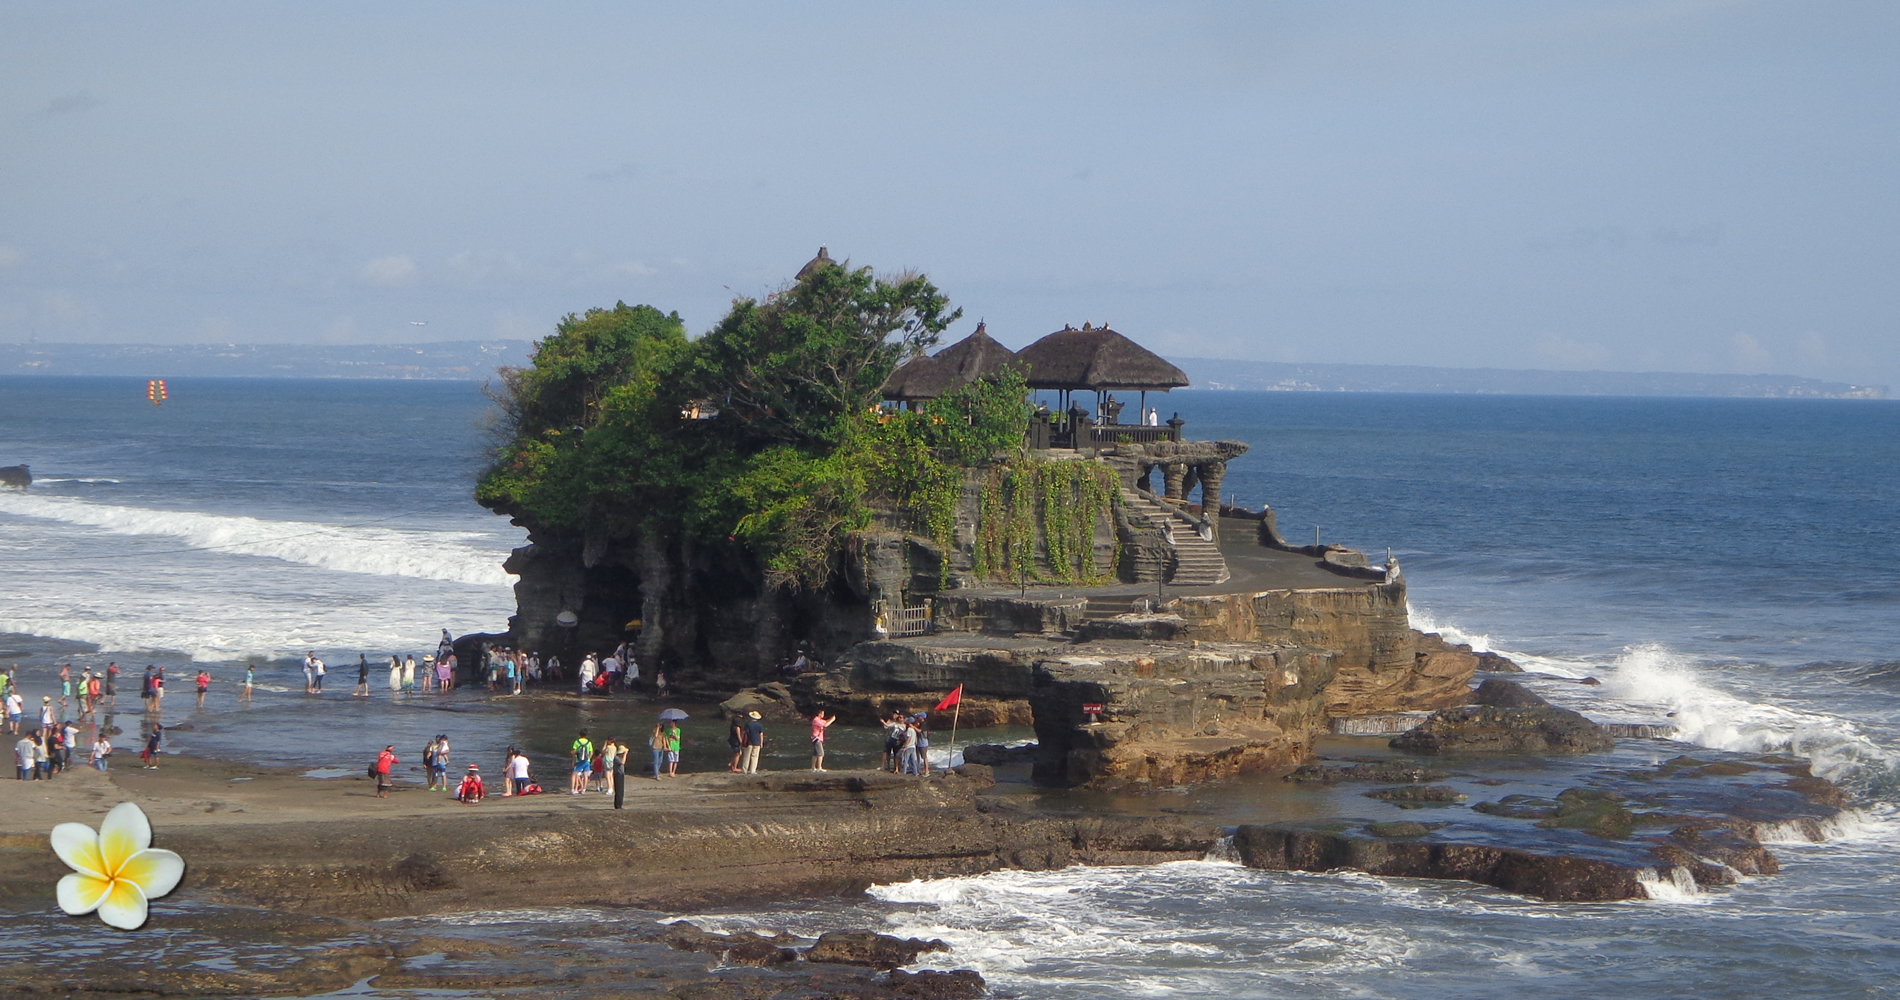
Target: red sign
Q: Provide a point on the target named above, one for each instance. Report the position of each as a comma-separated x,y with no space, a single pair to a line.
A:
1092,707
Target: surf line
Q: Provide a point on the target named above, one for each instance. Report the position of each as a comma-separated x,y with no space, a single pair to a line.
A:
326,529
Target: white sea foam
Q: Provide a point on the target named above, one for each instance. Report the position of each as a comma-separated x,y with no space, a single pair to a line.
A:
427,555
1675,885
1424,622
1653,677
1652,683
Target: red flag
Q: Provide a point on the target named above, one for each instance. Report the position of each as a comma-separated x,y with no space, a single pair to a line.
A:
950,700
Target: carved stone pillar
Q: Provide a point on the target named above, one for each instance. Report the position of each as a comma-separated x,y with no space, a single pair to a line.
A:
1188,480
1211,475
1172,473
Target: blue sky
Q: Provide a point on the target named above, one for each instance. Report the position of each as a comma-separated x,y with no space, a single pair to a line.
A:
1699,186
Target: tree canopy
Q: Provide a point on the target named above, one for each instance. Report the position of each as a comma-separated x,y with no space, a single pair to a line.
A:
600,430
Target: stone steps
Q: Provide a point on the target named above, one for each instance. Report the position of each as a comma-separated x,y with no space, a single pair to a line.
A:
1198,561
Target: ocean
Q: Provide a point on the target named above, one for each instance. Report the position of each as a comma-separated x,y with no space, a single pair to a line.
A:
1733,562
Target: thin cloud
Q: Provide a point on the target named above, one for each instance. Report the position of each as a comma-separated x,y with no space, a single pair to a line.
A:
389,272
1570,353
623,172
1750,356
71,104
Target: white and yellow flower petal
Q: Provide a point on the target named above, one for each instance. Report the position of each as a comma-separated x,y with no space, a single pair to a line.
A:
123,907
125,832
78,846
81,893
154,870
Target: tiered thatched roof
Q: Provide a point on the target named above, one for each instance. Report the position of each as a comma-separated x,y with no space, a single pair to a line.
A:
1095,358
969,359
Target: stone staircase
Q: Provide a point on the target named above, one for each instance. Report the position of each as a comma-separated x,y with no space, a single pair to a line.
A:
1100,608
1198,561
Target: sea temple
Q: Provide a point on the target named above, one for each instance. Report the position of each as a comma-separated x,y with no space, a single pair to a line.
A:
1089,581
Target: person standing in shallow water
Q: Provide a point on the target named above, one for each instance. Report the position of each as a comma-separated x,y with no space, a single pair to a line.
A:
362,677
204,685
250,681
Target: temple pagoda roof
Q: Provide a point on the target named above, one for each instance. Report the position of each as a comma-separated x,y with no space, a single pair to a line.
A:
1096,358
969,359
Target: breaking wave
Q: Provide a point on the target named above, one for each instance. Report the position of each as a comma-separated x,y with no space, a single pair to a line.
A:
1652,683
426,555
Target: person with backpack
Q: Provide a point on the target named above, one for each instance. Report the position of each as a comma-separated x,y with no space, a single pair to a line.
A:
385,761
582,754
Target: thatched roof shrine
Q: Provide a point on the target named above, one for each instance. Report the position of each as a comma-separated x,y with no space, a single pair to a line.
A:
974,357
822,260
1095,359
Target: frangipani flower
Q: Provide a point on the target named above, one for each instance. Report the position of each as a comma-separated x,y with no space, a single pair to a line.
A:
115,870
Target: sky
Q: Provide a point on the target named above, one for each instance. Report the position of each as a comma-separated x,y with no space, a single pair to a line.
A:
1677,185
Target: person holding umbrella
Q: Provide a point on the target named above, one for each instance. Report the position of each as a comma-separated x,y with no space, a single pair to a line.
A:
666,744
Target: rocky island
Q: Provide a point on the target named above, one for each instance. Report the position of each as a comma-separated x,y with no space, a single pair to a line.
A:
807,477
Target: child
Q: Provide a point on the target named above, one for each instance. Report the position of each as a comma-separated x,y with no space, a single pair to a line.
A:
471,791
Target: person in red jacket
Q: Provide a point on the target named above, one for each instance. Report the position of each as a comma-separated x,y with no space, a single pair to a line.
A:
471,791
384,762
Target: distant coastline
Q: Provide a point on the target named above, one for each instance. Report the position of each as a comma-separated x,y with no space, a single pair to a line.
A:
1268,376
476,361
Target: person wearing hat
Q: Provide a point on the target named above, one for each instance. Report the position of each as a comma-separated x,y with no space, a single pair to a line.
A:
46,712
471,790
754,740
385,762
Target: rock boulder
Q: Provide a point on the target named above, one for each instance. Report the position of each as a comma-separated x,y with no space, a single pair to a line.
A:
1490,729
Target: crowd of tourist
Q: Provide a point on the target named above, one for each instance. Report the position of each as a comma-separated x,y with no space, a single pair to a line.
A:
51,739
65,725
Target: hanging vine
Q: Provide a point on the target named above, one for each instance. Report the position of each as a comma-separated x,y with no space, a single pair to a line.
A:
1036,521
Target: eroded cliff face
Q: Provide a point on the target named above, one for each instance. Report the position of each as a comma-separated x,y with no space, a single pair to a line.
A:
700,614
1381,667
